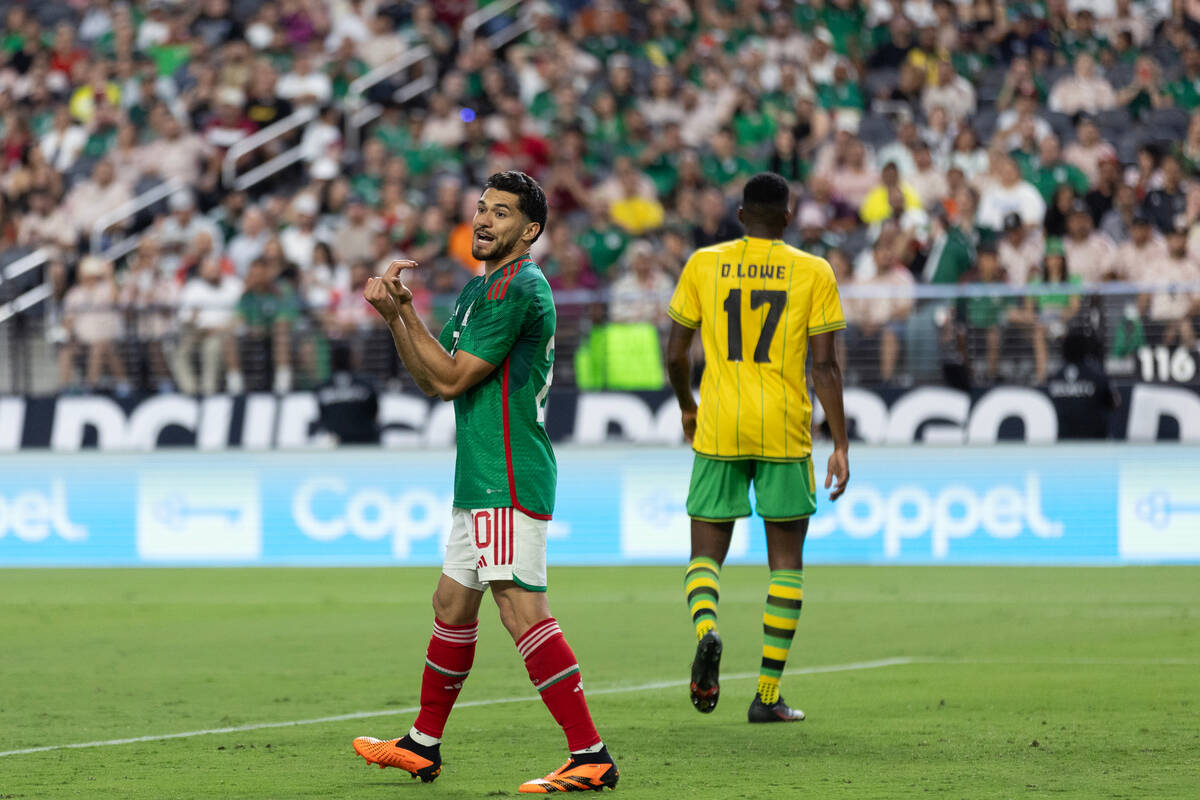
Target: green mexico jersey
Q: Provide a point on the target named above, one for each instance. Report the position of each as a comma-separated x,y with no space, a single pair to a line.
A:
504,454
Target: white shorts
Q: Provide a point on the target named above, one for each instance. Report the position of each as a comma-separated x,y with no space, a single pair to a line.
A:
496,544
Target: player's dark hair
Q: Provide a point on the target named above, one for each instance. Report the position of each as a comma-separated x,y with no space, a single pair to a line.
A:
766,189
531,200
765,200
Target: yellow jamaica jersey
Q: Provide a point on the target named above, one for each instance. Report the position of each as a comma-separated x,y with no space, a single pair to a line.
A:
756,302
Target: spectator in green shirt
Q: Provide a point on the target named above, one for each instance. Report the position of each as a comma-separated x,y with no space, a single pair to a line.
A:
1082,37
603,241
843,93
1051,171
753,127
268,311
1185,91
1146,90
985,317
846,21
1047,315
725,166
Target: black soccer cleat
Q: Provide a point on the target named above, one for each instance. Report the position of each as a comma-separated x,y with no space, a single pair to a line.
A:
779,711
706,672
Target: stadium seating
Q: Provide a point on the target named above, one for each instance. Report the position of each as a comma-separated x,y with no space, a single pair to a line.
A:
564,90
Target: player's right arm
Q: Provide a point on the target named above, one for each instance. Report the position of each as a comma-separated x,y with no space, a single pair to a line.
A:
825,319
679,370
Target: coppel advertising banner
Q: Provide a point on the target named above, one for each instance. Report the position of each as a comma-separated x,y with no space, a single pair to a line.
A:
1094,504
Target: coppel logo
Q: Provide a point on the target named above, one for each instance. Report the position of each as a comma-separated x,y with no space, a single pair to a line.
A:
954,512
32,515
327,508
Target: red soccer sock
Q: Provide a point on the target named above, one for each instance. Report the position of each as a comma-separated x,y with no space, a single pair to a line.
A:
447,663
555,674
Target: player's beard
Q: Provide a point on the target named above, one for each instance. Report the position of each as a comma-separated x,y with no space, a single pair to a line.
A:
497,249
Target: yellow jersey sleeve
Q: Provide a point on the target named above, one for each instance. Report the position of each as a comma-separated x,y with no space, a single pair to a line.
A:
685,303
825,314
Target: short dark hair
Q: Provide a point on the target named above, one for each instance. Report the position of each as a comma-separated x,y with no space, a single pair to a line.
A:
531,200
766,190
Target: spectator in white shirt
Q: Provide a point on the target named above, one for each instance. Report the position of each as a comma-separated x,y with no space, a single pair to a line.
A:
1022,120
322,138
1020,250
250,241
1144,246
298,240
305,85
1085,90
93,323
1091,254
1089,150
927,179
444,125
383,44
644,291
1010,194
45,224
63,143
662,106
178,231
92,199
951,91
179,153
155,29
206,315
900,151
150,300
1171,309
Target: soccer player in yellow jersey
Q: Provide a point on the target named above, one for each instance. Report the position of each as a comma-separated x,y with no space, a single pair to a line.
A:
759,305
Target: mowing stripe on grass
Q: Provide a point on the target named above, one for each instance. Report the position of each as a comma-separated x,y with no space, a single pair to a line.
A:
641,687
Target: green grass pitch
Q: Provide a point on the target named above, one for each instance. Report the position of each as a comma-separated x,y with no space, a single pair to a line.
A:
995,683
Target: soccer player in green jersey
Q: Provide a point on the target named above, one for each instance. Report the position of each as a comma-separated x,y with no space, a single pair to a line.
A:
494,359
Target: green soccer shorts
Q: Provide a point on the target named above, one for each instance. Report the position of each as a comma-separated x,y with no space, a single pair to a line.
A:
720,490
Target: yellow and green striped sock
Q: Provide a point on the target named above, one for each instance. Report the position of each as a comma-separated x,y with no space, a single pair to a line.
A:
780,617
702,583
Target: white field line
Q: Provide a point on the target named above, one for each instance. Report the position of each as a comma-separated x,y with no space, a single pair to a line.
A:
641,687
853,666
1060,660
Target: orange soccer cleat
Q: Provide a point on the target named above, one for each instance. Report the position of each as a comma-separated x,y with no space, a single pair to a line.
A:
419,761
576,777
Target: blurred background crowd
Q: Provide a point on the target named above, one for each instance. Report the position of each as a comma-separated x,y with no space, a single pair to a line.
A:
192,195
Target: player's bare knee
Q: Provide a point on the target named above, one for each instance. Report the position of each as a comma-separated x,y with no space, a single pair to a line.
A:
453,608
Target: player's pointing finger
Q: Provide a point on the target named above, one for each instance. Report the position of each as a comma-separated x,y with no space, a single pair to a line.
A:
394,269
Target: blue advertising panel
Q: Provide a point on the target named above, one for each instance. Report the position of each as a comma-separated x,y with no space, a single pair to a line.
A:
1096,504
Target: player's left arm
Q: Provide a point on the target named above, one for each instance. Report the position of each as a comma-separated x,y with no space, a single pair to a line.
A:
679,370
827,381
449,376
435,370
824,321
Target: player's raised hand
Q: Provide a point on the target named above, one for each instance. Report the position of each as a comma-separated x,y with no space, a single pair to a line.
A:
376,293
839,467
391,279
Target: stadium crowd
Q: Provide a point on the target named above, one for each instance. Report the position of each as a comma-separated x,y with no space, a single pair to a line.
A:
928,142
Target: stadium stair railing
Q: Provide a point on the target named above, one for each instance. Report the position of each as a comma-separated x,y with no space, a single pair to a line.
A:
359,113
229,174
477,19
